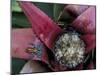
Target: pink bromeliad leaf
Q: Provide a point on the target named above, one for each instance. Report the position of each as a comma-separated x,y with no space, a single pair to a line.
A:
47,31
21,39
42,25
75,9
85,23
71,12
90,41
19,42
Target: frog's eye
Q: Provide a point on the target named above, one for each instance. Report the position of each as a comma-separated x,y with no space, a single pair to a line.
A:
31,50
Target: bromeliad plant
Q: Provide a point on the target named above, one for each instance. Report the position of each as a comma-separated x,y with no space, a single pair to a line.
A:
62,49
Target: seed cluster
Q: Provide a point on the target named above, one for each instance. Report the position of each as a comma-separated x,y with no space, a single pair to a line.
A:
69,50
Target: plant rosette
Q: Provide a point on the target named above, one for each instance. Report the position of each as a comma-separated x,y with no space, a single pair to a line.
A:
61,49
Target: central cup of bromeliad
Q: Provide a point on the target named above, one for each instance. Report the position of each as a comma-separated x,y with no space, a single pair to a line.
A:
69,49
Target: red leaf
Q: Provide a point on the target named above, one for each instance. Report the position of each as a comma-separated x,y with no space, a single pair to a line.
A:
42,25
19,42
76,9
85,23
90,41
21,38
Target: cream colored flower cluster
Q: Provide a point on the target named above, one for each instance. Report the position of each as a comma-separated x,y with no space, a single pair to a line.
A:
69,50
